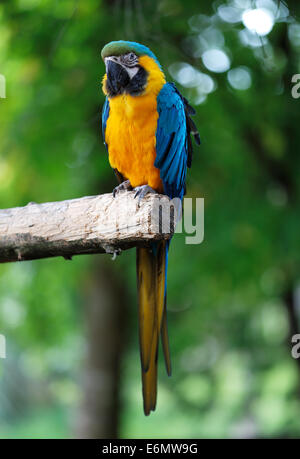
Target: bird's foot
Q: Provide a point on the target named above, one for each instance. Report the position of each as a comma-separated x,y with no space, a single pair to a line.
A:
141,191
112,250
124,186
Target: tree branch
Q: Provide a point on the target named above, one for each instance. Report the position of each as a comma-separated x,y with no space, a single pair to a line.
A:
94,224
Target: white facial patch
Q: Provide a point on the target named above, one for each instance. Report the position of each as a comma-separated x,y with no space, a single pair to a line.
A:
132,71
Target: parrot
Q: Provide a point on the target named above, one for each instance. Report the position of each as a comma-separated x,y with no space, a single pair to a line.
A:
147,130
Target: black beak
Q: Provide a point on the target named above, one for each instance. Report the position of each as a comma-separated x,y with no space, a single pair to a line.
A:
117,77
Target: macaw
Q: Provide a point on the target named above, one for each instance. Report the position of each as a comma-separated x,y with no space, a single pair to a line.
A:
146,128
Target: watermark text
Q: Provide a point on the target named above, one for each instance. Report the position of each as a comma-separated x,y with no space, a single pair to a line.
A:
2,347
296,346
2,87
296,87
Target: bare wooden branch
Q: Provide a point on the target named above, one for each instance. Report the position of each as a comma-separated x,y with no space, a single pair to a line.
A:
93,224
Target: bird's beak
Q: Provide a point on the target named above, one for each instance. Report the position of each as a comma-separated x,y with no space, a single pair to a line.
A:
116,74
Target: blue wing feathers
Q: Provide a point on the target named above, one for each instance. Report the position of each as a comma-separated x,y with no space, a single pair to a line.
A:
171,141
164,146
105,115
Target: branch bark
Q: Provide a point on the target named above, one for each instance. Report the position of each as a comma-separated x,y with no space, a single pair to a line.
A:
94,224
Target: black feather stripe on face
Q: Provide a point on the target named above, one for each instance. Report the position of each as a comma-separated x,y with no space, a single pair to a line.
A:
138,83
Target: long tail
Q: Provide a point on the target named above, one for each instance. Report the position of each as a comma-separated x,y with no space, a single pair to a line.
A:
151,282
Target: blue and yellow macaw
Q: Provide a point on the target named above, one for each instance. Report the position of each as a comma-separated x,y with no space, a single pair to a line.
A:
146,127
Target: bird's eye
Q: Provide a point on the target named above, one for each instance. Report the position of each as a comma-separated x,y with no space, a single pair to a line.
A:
130,58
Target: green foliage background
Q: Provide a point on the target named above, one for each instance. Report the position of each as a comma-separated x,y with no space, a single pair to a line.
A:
229,325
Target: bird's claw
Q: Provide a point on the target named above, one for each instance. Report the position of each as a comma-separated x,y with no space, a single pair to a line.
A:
141,191
115,254
112,251
124,186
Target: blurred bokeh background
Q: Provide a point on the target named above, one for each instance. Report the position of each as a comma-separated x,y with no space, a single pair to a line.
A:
72,366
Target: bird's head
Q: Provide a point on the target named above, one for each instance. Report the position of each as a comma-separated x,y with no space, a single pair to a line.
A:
131,68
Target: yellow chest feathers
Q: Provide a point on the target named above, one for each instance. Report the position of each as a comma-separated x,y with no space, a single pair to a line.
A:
130,131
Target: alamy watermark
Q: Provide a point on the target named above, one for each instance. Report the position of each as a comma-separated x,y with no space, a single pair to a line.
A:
296,346
164,216
2,87
170,218
2,347
296,87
